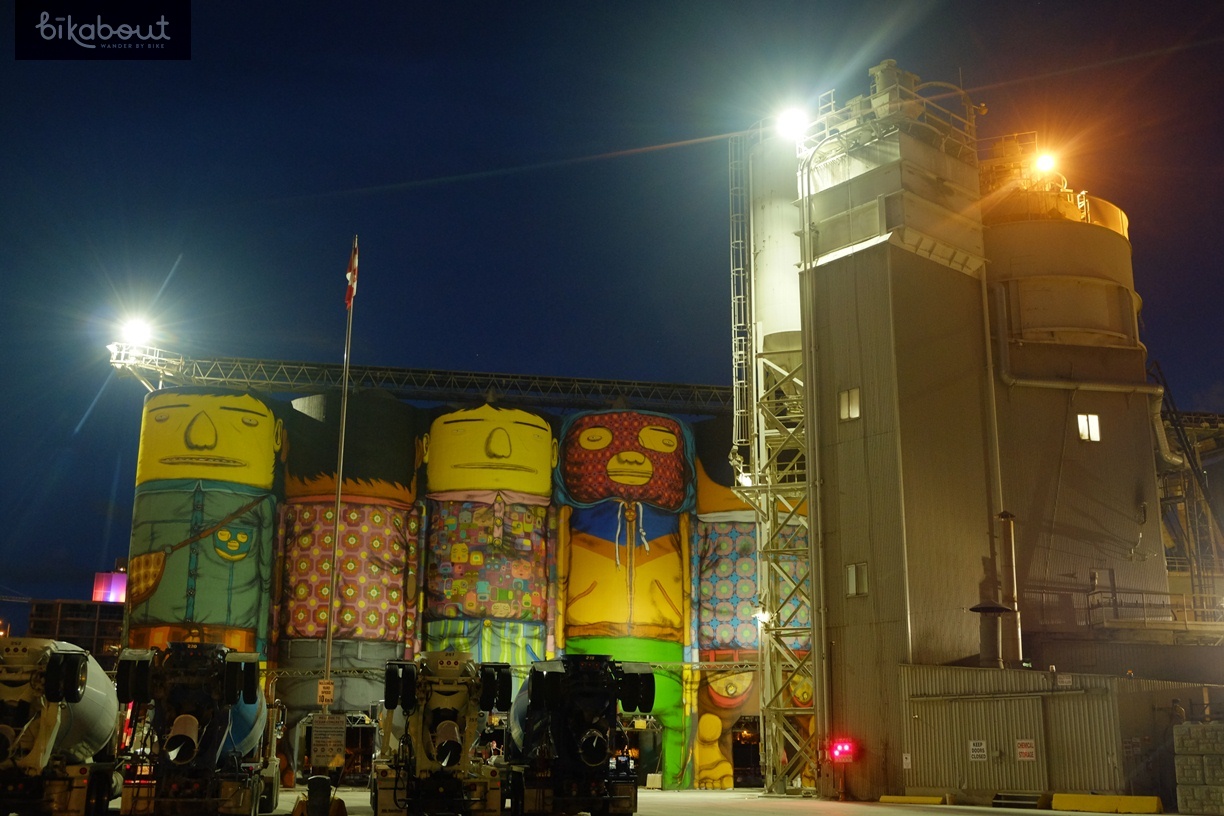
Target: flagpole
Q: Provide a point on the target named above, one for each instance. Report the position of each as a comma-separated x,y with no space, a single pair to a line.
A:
344,380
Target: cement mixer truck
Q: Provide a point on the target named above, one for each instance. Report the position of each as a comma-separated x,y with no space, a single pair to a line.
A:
437,707
195,739
567,750
58,719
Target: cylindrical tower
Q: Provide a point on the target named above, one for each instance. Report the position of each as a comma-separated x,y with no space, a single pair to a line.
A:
375,557
1078,419
774,230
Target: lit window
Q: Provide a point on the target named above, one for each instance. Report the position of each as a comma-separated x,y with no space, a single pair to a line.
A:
848,404
1090,427
856,578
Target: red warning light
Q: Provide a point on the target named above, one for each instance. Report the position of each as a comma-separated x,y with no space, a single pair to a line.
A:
843,750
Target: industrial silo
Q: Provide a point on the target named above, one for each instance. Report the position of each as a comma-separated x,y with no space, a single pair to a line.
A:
1078,419
368,557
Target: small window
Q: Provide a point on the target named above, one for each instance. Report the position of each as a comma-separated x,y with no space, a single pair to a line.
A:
856,579
1090,427
848,404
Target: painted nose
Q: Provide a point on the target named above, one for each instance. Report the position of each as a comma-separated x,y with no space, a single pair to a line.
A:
497,446
201,433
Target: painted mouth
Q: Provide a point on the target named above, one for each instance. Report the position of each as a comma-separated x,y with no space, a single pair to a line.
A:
633,477
495,466
207,461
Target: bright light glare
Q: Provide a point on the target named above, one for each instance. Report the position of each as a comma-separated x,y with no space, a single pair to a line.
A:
792,123
137,332
1045,162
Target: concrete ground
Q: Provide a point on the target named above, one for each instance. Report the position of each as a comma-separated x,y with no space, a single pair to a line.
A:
711,803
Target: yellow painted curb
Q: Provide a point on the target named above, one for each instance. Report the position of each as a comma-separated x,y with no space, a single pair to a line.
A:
1102,803
914,800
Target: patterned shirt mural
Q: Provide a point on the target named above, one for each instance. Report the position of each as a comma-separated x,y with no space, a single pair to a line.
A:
487,574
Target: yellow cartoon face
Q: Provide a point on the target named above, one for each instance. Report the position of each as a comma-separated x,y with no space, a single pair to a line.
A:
489,448
225,437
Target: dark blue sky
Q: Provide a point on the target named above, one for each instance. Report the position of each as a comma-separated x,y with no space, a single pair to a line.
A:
508,169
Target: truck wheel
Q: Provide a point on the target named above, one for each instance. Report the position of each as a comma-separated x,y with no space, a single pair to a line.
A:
408,688
250,683
638,693
123,681
505,697
141,686
488,688
391,686
76,674
232,688
53,678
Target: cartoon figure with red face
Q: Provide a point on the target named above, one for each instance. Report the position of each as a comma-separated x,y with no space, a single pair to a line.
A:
625,480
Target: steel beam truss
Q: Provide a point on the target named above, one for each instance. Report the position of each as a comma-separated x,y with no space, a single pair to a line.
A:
158,368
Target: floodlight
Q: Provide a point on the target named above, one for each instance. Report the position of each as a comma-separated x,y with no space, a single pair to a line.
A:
137,332
792,123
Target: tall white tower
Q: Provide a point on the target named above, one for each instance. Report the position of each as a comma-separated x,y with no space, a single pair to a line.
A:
872,426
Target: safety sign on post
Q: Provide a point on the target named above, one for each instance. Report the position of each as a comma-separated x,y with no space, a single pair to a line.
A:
327,692
327,740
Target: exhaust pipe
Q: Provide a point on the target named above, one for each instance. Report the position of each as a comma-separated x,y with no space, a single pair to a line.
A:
184,739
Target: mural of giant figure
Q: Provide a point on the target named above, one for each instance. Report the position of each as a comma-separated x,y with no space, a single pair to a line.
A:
202,550
375,558
487,569
626,481
724,561
728,598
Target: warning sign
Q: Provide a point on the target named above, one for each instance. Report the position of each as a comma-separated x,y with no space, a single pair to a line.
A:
1026,750
327,740
327,692
977,750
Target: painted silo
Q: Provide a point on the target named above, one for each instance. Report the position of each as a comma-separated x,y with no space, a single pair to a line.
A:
489,541
203,520
626,480
374,618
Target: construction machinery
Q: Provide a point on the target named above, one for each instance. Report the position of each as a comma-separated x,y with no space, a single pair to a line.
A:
196,736
58,720
568,752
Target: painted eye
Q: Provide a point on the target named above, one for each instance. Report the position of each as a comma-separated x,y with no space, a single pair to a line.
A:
242,537
654,438
250,421
223,535
160,417
595,438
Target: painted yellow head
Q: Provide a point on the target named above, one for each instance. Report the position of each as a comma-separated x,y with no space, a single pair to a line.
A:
490,448
197,433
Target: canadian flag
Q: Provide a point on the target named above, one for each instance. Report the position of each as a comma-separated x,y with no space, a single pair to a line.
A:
351,276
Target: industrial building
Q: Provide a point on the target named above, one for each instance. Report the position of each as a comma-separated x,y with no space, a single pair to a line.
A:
984,545
939,373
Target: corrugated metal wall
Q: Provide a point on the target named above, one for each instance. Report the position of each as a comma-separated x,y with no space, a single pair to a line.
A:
972,731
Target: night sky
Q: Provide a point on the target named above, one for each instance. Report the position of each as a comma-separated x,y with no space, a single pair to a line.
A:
539,188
